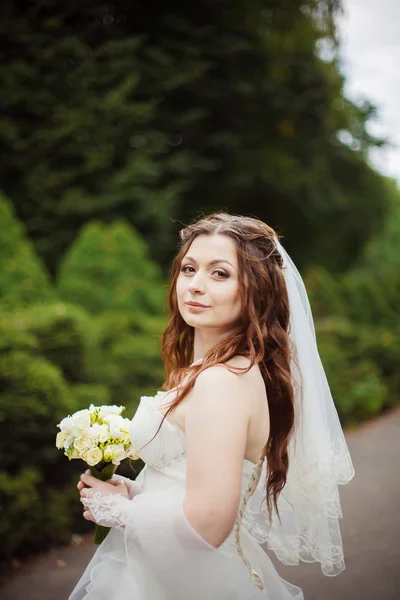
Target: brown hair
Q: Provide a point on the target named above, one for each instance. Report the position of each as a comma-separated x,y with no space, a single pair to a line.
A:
262,333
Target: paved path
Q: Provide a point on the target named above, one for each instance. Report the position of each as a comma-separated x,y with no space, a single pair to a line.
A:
371,523
370,528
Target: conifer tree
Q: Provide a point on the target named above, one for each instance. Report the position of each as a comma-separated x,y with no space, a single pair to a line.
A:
23,279
108,270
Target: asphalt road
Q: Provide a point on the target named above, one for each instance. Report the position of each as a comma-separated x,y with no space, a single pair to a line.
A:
371,521
370,529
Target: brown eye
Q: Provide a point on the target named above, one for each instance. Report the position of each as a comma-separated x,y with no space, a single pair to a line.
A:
185,268
221,274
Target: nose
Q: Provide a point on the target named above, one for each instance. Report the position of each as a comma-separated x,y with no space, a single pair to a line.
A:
196,285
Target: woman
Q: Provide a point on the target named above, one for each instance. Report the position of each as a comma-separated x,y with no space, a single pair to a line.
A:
243,447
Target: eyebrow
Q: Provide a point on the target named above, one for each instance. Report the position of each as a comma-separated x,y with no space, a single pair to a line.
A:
212,262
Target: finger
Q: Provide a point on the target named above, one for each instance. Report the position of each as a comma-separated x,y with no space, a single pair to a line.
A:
115,478
87,472
89,479
86,493
113,481
88,516
85,503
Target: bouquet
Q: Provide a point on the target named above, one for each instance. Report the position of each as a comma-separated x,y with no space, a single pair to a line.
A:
99,436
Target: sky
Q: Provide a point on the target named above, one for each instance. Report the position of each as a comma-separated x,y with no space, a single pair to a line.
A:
369,34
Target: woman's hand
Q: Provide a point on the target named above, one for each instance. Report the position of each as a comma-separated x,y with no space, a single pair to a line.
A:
89,485
133,487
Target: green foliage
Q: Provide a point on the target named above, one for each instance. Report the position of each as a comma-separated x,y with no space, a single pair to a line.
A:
373,286
37,483
357,384
36,513
60,331
87,143
358,323
110,113
108,269
33,472
124,355
54,360
34,399
13,335
324,292
86,394
23,280
20,502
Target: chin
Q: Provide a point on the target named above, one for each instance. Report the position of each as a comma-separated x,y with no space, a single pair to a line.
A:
193,320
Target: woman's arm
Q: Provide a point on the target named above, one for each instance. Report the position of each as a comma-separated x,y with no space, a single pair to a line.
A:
216,427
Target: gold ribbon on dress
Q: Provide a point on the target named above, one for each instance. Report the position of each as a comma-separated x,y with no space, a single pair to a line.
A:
253,482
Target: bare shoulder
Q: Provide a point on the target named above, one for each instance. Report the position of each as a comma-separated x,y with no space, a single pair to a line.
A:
219,407
229,407
230,378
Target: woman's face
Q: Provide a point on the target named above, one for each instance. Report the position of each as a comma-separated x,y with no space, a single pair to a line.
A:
207,287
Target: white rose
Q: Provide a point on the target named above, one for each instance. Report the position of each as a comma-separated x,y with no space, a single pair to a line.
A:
125,430
104,433
125,439
69,440
81,419
98,433
75,432
104,411
126,426
93,456
71,452
60,439
83,444
66,425
75,453
116,425
114,453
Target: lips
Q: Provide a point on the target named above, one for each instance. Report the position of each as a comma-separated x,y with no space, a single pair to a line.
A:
197,304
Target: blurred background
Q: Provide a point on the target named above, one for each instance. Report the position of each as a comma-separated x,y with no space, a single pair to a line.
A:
119,123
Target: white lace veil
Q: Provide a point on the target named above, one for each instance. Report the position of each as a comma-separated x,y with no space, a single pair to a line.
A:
309,505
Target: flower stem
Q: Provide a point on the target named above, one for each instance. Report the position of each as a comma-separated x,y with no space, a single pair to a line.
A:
100,534
102,471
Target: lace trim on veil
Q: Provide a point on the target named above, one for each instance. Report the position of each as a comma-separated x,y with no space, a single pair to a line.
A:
309,507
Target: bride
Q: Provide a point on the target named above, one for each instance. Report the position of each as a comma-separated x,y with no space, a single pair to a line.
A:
243,447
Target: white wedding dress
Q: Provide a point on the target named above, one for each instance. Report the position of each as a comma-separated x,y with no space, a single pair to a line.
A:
159,556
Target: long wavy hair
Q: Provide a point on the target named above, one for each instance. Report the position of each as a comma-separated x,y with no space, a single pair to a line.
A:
261,334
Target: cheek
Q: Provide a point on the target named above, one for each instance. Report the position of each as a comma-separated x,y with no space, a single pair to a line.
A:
230,295
181,287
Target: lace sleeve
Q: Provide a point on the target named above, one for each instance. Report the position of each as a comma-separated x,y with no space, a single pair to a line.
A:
109,511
